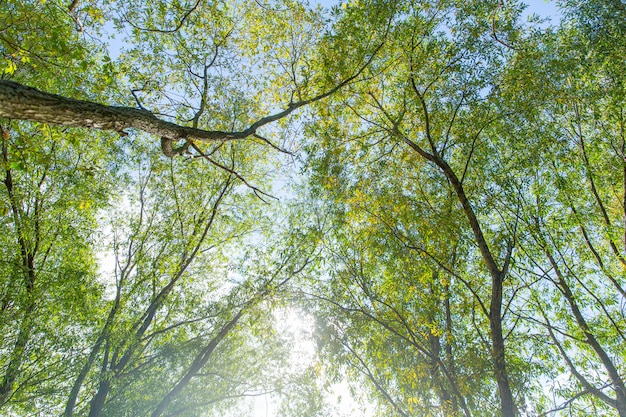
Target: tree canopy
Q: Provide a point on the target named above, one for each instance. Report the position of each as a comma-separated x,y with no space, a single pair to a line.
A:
421,205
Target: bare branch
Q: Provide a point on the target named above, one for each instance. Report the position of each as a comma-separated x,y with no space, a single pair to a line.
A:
258,192
167,31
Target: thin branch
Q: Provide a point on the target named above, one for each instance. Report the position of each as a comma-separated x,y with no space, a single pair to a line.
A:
258,192
493,27
166,31
365,369
456,111
592,185
73,5
278,148
574,398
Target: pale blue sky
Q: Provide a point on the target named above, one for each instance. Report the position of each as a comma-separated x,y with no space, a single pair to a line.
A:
544,8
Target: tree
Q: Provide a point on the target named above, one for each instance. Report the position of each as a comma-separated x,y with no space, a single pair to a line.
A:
51,191
460,237
148,315
427,97
165,311
510,121
580,255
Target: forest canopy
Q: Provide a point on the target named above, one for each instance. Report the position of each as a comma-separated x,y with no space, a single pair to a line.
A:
276,207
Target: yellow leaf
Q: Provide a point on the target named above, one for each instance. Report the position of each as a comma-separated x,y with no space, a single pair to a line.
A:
10,67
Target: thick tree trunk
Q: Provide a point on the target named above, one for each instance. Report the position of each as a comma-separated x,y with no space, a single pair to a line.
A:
18,101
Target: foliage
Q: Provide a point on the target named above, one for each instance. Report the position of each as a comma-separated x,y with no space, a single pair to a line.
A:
456,231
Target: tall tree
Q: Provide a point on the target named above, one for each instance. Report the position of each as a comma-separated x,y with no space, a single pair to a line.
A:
465,183
576,210
166,305
430,104
51,191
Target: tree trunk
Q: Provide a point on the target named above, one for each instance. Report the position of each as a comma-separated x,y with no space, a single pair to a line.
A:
97,403
78,383
201,359
497,274
27,103
507,403
497,350
13,370
616,379
28,266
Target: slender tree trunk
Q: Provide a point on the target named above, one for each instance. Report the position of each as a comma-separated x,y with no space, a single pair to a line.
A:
621,400
458,400
497,274
27,254
508,407
97,401
447,401
17,354
201,359
13,370
78,383
612,371
497,350
122,355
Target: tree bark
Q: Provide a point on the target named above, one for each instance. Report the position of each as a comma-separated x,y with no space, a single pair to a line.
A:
27,103
509,409
21,102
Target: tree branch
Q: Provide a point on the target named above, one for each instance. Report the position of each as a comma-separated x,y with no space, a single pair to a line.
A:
28,103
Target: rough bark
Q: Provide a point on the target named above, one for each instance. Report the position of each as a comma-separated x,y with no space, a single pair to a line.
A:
26,103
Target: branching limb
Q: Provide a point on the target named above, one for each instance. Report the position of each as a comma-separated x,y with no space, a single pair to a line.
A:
493,27
28,103
258,192
175,29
